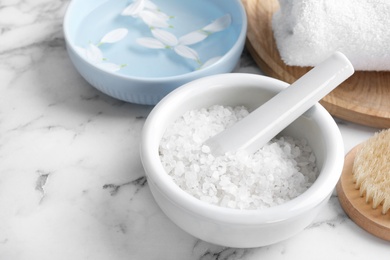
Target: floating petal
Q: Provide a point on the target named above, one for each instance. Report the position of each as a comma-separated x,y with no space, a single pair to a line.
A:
114,36
166,37
151,43
109,66
210,62
193,37
218,25
134,9
94,54
187,52
81,51
151,6
152,19
162,16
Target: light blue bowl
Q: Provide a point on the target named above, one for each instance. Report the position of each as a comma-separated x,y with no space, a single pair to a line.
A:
139,51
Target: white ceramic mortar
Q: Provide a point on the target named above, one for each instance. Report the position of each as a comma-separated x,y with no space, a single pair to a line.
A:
234,227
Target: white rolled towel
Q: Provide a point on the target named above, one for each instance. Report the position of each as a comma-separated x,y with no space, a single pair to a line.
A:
308,31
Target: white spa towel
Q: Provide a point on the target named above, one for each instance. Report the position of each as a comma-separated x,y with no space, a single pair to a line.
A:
308,31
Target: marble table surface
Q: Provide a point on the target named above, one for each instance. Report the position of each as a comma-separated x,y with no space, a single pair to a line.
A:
71,182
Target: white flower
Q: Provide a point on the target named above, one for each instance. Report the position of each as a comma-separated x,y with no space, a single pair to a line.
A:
134,9
166,40
148,12
165,37
114,36
218,25
210,62
187,52
156,20
110,66
94,55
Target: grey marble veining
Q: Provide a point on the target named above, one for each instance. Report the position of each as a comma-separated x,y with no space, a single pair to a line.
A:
71,182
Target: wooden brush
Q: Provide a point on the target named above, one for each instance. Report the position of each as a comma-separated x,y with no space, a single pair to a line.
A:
364,186
371,170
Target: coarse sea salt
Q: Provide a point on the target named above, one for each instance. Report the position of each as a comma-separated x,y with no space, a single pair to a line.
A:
278,172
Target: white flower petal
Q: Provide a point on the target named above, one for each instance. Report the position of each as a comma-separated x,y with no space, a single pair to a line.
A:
210,62
153,20
134,9
162,16
94,54
150,5
151,43
187,52
166,37
114,35
193,37
218,25
109,66
81,51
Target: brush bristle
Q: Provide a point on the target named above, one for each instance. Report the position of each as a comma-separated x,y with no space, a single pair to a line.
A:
371,170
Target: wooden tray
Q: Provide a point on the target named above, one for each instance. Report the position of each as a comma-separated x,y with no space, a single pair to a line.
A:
364,98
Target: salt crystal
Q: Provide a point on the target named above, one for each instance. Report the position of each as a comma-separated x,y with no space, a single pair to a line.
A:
280,171
215,175
205,149
191,179
179,169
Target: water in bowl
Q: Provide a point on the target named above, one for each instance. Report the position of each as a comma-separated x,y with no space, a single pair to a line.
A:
123,52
